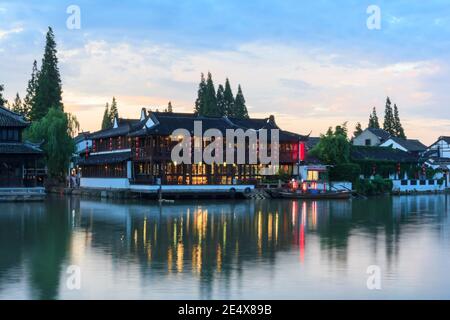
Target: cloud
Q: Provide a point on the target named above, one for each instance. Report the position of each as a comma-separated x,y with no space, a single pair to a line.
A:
6,33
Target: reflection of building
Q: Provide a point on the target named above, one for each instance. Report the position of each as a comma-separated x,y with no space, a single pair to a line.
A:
139,152
20,162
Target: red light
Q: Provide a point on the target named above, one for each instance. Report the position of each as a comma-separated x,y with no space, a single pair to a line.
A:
302,152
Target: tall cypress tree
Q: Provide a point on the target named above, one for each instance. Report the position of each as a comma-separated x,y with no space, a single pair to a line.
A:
210,98
49,90
228,99
200,102
388,124
106,122
398,128
17,105
240,109
30,97
114,111
3,101
373,119
221,104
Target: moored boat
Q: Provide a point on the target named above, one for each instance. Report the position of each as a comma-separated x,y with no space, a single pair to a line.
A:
286,194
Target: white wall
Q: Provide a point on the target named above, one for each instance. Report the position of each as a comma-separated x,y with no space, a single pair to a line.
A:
106,183
444,148
366,134
394,145
427,187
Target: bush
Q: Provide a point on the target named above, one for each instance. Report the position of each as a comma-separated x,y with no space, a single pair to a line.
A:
345,172
376,186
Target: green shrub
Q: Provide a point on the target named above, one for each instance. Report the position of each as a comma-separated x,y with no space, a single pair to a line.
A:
345,172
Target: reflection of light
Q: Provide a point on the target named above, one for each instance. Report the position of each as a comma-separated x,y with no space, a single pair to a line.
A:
144,232
201,223
135,237
259,232
219,258
269,228
294,212
276,228
302,233
314,214
224,233
180,256
169,259
197,258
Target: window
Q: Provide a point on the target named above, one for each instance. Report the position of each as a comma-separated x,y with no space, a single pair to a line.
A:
368,142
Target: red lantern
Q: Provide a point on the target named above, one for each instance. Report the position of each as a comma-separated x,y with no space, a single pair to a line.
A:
87,150
137,147
120,142
302,151
110,144
94,146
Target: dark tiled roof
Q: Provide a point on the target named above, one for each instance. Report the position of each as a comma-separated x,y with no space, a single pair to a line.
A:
125,127
411,145
445,138
166,123
109,158
380,133
11,119
361,153
19,148
312,142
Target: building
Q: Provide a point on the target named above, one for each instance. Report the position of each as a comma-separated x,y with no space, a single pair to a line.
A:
371,137
412,146
138,152
21,163
441,148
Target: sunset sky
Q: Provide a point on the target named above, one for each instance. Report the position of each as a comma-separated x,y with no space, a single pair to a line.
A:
312,64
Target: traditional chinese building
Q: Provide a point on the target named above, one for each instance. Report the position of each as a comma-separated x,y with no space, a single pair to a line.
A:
21,163
138,152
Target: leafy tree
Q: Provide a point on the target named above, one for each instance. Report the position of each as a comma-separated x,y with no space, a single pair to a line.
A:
113,111
240,110
228,99
333,147
106,122
398,128
30,97
358,130
3,101
221,103
200,103
17,105
48,91
388,124
373,119
55,131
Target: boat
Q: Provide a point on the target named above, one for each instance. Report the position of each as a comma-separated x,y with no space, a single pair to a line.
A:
331,195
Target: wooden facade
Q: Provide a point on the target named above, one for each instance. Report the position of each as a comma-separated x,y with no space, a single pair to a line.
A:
143,153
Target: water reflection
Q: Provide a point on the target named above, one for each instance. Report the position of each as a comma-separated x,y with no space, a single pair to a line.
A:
212,249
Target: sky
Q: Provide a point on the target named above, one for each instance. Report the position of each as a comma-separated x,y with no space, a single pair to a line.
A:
311,64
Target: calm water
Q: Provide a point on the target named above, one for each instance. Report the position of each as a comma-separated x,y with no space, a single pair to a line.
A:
226,250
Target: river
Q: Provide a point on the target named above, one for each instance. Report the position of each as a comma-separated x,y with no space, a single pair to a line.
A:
71,248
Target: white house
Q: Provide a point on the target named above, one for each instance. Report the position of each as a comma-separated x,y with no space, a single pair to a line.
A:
371,137
441,148
407,145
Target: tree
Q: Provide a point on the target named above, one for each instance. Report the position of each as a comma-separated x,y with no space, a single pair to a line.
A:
55,130
3,101
169,107
388,124
17,105
210,98
221,103
228,99
373,119
200,103
49,90
240,110
358,130
398,128
30,97
113,111
106,122
333,147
